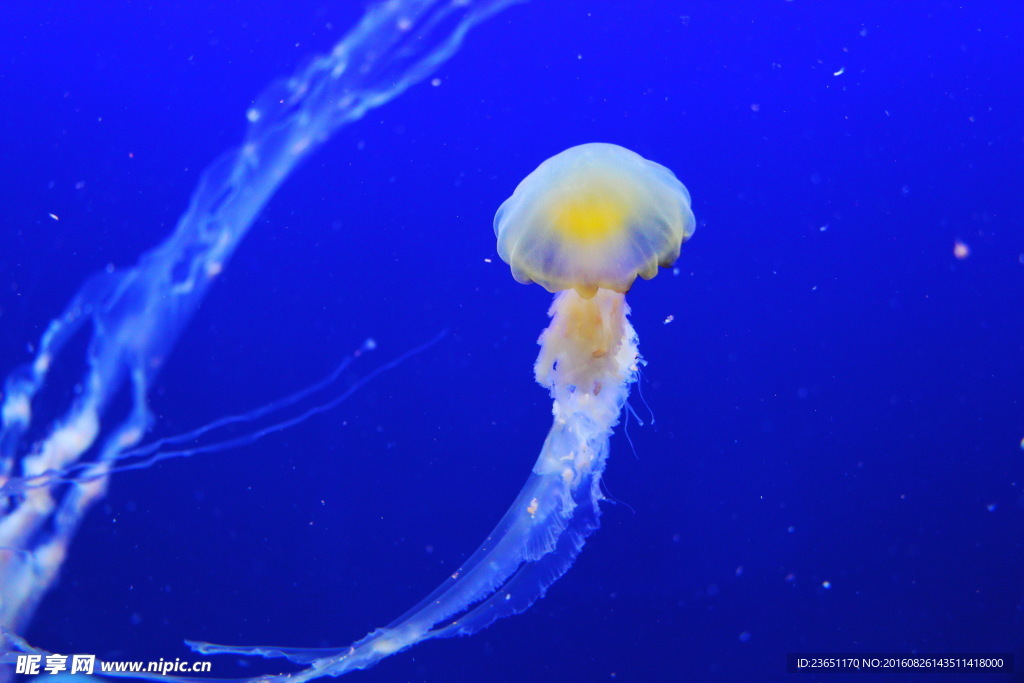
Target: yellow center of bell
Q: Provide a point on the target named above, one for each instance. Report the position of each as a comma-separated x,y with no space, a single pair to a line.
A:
589,218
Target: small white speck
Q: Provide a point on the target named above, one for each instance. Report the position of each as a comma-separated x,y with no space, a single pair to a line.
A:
435,82
826,585
54,217
841,71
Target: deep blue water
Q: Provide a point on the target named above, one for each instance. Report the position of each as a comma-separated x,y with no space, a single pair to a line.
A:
836,460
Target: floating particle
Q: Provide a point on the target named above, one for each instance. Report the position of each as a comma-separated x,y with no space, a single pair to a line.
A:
668,319
961,250
56,218
826,584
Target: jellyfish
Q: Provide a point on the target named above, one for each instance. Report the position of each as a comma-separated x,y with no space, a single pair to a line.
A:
583,225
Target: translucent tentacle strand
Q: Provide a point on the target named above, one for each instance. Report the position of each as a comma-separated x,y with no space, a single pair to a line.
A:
138,313
588,361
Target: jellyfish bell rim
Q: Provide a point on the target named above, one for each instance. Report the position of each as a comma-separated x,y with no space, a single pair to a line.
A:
588,290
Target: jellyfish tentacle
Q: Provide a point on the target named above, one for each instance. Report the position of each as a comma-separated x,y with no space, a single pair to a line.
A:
138,313
169,447
544,529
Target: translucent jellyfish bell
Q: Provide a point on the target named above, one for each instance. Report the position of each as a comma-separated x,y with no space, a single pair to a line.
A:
594,216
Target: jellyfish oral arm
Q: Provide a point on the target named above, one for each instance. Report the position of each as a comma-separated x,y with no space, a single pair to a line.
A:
588,360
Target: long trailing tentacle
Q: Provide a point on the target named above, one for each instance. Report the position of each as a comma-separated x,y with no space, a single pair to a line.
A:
545,528
138,313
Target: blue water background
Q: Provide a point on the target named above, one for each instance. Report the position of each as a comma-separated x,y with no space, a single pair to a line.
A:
835,463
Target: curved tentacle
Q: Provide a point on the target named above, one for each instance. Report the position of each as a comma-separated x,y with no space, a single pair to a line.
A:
545,528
